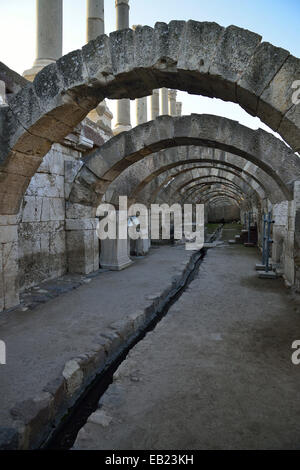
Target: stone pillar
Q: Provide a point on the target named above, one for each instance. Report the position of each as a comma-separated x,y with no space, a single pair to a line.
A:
164,106
82,245
141,110
49,34
178,108
154,104
9,267
114,253
95,26
94,19
172,102
123,106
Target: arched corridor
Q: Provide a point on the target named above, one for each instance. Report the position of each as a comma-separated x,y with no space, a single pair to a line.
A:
149,275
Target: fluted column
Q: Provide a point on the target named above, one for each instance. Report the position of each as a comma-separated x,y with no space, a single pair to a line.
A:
172,102
164,102
49,35
154,104
94,19
178,108
123,106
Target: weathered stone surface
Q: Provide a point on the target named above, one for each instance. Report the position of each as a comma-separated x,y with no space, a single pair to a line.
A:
13,81
259,147
199,58
276,100
233,54
9,438
73,376
82,251
263,66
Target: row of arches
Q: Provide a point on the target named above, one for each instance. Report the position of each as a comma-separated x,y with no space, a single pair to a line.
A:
196,158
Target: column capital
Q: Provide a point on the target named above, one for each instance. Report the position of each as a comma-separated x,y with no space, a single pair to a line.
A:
172,94
120,2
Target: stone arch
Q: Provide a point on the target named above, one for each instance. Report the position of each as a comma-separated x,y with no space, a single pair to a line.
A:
209,195
175,179
236,181
155,186
259,147
200,58
187,191
149,176
220,199
200,192
186,156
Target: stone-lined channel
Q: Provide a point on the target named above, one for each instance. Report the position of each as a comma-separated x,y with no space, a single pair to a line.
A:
64,437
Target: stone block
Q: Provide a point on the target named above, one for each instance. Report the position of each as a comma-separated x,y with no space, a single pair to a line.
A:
81,224
276,99
8,233
73,376
79,211
233,54
53,163
198,48
46,185
262,68
82,251
32,209
114,254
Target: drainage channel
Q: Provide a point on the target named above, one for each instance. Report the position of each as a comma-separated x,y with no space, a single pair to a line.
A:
65,435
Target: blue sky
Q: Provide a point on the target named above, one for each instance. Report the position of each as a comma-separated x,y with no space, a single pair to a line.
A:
278,21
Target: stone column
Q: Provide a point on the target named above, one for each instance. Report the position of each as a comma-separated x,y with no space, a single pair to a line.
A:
178,108
123,106
141,103
49,34
82,245
95,26
141,110
172,102
154,104
164,107
94,19
114,253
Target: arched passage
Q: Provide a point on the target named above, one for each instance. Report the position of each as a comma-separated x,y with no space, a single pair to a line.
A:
175,181
147,177
200,58
259,147
188,191
183,185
